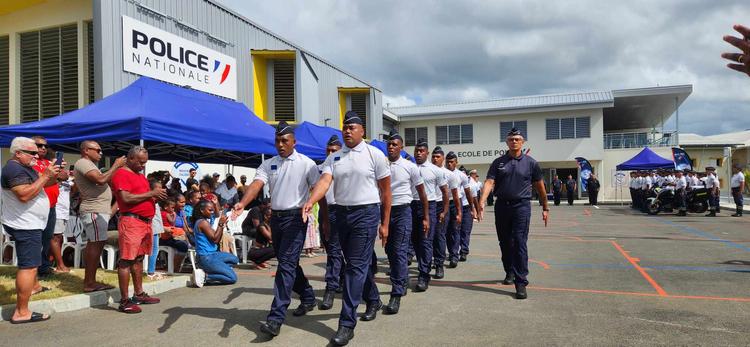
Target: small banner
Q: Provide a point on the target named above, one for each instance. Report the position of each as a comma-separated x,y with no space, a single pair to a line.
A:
681,159
586,170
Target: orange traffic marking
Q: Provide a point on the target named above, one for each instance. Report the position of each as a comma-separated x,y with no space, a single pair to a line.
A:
634,262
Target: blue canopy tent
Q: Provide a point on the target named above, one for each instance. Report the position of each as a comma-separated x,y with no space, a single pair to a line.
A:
383,146
314,139
646,160
174,123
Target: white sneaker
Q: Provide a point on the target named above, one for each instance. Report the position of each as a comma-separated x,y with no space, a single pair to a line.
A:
596,207
199,277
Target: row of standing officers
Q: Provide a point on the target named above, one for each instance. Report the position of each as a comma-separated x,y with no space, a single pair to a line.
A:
363,194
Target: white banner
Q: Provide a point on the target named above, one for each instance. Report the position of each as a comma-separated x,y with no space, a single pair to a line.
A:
152,52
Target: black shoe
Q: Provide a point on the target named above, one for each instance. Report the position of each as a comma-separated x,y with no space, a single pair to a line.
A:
421,286
521,292
302,309
393,305
453,264
682,213
271,327
462,257
711,214
509,278
327,302
340,289
372,311
342,337
439,273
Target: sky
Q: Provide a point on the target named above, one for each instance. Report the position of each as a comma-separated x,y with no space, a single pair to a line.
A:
424,52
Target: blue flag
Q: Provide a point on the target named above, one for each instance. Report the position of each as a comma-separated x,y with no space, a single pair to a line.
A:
586,171
681,159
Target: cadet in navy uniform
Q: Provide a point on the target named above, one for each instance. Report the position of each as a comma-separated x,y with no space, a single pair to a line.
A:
465,204
512,176
289,176
405,178
334,256
449,216
363,207
556,189
436,189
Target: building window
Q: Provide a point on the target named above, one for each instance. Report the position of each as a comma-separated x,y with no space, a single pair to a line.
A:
4,81
359,105
414,134
283,90
505,128
455,134
49,72
568,128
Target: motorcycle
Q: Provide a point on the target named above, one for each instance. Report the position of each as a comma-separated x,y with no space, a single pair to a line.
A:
663,200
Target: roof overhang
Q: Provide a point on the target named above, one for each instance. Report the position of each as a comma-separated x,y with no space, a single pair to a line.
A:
644,107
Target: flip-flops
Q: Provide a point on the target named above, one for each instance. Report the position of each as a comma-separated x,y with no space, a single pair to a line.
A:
44,289
35,317
99,287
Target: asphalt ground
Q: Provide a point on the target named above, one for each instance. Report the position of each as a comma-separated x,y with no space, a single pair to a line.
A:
607,276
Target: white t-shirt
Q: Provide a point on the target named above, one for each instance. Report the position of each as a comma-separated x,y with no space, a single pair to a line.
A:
62,209
405,177
289,180
356,172
433,178
737,180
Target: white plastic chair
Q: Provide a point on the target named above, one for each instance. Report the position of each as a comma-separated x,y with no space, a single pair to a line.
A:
110,251
242,242
77,251
6,242
170,257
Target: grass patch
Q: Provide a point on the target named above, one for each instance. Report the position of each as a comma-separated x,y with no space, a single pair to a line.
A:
61,284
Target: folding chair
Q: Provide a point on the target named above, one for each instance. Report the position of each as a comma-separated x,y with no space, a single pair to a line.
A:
6,242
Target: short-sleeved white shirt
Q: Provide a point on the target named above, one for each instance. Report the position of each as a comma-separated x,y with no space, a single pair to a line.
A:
646,183
356,172
433,178
737,180
405,178
680,182
329,193
711,181
453,183
289,180
463,184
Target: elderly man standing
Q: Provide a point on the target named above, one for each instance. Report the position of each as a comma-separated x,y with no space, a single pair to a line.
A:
137,207
25,210
95,208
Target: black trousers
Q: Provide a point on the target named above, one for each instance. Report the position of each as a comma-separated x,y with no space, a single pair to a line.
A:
593,197
556,195
570,198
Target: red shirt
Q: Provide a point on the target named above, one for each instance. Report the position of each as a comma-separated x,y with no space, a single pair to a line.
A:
52,191
134,183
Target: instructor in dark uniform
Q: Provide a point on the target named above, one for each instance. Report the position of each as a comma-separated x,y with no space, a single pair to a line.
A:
514,173
556,189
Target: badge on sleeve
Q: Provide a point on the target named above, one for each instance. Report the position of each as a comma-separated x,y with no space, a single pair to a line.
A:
336,158
273,167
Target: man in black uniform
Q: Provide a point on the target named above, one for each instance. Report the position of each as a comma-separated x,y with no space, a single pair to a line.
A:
515,173
557,189
570,189
592,184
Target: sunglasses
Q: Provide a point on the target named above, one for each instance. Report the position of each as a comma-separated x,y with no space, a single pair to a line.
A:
41,145
98,150
29,152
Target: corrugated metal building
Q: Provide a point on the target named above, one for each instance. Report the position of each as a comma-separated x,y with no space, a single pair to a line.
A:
58,55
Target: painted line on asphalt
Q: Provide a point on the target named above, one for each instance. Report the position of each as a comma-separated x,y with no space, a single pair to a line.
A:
634,262
705,235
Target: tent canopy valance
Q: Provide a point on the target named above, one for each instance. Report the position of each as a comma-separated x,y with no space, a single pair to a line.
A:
646,159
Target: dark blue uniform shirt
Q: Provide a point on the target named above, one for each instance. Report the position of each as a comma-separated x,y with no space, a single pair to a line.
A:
513,176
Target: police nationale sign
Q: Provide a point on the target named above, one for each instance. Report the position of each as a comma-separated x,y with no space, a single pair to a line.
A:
152,52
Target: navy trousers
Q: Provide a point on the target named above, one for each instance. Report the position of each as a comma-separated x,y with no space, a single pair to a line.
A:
47,234
357,228
423,244
467,222
512,226
438,243
288,234
334,255
453,234
399,233
738,198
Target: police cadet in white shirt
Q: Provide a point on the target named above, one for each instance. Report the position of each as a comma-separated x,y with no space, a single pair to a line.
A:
462,231
646,184
289,176
436,188
405,178
363,198
334,255
451,216
680,184
712,184
737,183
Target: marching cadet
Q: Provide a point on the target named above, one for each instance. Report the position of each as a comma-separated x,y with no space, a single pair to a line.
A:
451,215
680,184
738,186
289,176
456,235
334,256
363,208
436,188
513,175
712,184
469,225
405,178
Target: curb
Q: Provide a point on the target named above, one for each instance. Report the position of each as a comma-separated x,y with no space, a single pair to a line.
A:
81,301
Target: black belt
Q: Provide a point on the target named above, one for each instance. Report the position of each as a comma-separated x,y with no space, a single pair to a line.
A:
136,216
355,207
286,213
510,202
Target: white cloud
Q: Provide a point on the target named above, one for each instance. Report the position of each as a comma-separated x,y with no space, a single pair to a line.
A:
398,100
